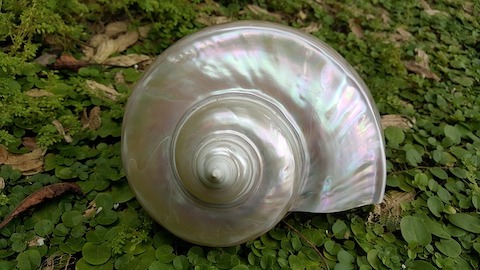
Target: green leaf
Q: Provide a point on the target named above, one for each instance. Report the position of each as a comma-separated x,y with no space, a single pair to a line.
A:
414,231
463,80
339,229
106,217
164,254
72,218
395,136
439,173
372,258
28,260
449,247
466,222
44,227
413,157
345,257
104,200
436,228
96,254
122,193
422,265
452,133
181,263
435,205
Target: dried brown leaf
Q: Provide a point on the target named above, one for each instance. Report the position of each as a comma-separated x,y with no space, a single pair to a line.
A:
385,16
29,163
144,30
3,154
391,206
414,67
402,35
126,60
103,90
423,57
38,93
429,10
355,28
67,61
126,40
61,130
30,143
115,28
45,59
395,120
311,28
2,183
212,20
91,210
119,78
93,120
302,15
98,39
104,50
260,11
39,196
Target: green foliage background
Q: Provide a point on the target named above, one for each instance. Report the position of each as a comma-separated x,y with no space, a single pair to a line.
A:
437,159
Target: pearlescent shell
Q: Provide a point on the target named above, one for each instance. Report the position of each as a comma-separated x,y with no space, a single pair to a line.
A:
237,124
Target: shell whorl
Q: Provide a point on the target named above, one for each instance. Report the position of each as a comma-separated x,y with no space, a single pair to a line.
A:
227,145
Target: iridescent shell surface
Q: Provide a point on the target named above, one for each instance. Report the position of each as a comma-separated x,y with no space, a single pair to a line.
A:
237,124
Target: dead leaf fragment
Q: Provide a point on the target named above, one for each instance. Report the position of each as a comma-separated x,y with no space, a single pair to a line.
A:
93,120
391,206
104,50
126,60
144,30
39,196
418,69
29,163
395,120
126,40
311,28
30,143
212,20
67,61
61,130
107,47
258,10
355,28
38,93
46,59
3,154
429,10
36,241
103,90
115,28
119,78
91,210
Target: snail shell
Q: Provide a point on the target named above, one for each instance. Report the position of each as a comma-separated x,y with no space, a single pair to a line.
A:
237,124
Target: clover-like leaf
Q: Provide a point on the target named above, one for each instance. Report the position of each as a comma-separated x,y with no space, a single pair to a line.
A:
72,218
96,254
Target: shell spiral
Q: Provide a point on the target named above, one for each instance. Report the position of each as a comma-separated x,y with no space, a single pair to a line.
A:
236,125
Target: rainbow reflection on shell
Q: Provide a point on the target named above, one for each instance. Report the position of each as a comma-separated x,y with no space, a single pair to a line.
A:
236,125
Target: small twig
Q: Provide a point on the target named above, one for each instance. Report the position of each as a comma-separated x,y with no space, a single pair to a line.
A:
308,242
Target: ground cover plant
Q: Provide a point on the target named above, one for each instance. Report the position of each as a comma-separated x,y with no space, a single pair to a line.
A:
67,68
